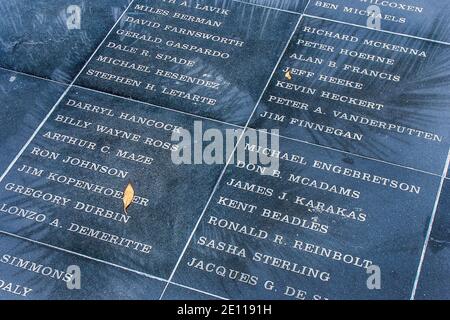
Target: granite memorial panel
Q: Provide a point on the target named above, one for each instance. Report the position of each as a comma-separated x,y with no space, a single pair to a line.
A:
67,187
209,60
312,229
355,207
378,95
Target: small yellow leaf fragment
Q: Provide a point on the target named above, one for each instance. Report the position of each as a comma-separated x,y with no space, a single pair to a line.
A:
128,196
288,75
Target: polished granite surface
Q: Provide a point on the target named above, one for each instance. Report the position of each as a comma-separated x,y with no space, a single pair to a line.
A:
415,94
25,103
93,92
229,79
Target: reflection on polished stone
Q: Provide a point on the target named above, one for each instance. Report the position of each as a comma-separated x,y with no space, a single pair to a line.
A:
25,102
334,97
37,272
73,176
436,264
210,63
305,230
54,39
89,178
291,5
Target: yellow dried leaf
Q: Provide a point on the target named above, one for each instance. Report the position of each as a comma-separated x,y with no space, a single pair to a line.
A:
128,196
288,75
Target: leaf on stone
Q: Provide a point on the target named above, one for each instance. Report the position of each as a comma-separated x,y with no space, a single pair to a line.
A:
128,196
288,75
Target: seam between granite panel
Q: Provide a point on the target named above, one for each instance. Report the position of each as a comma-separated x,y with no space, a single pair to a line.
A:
81,255
61,97
229,124
246,126
306,7
343,22
144,274
430,227
72,84
35,76
158,106
385,31
197,290
232,154
349,153
125,98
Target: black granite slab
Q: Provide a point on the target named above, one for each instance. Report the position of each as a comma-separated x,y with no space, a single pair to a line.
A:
216,68
170,197
362,91
310,233
350,193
